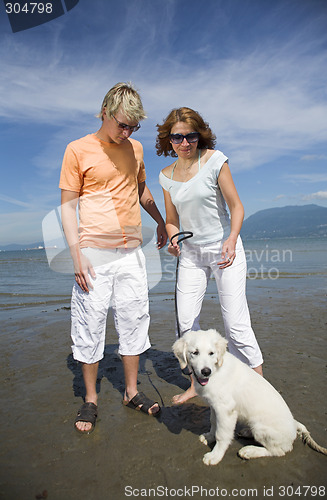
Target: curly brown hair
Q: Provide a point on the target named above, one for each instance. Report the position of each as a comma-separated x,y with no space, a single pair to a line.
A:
207,139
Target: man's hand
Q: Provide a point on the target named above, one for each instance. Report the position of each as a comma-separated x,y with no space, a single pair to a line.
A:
161,235
83,269
147,202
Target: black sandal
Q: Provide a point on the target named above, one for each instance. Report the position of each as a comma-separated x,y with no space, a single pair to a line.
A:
88,412
146,403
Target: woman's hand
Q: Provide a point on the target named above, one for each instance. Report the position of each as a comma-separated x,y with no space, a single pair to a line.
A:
174,249
228,253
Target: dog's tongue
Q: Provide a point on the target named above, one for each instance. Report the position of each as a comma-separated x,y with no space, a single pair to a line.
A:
203,381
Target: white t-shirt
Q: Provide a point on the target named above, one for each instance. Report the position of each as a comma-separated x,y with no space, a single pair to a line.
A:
200,203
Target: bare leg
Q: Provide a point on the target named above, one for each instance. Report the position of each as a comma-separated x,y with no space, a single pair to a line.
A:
131,367
90,373
258,369
190,393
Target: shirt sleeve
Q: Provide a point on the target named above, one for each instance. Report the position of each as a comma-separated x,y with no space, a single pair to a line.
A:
138,152
220,159
141,176
164,181
70,176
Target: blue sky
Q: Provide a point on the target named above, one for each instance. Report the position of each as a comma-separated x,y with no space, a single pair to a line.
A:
255,70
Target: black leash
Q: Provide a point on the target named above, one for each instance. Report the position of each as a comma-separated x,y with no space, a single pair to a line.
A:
185,235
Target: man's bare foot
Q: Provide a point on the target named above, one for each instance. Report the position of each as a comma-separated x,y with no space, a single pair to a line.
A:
179,399
86,427
83,426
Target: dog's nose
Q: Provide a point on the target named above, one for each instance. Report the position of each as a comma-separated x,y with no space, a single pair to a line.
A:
206,372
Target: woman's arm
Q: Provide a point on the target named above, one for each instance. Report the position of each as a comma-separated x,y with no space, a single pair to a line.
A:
172,223
229,192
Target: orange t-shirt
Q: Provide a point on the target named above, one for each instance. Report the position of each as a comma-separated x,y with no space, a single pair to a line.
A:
106,176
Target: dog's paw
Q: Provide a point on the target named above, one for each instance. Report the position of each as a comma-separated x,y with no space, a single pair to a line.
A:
203,439
248,452
207,438
211,459
244,453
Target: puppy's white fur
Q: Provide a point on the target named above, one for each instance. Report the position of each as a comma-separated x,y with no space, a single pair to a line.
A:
235,392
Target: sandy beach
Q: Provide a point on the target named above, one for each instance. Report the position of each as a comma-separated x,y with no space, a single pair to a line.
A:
130,455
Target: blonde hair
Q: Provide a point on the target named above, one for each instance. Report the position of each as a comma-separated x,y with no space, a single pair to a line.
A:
207,139
123,95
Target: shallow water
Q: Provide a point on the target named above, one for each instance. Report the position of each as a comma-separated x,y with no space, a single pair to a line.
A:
27,280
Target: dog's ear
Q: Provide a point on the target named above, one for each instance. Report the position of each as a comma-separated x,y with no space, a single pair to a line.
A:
179,349
221,347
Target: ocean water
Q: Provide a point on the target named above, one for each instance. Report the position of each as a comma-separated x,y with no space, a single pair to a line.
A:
29,280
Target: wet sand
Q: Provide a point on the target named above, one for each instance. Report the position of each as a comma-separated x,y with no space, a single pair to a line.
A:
130,455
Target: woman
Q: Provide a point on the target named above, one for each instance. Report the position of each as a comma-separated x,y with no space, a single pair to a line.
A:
197,187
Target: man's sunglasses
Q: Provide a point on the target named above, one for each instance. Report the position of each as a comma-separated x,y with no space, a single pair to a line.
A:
179,138
123,126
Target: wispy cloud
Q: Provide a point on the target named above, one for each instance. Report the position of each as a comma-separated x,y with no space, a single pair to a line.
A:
314,158
263,98
261,106
21,226
310,177
320,195
13,201
279,197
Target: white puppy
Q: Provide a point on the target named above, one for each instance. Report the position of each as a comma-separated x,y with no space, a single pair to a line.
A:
235,392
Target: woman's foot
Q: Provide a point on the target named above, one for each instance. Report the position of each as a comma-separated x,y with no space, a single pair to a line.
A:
258,369
179,399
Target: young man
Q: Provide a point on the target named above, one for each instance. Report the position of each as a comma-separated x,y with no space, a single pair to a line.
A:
104,174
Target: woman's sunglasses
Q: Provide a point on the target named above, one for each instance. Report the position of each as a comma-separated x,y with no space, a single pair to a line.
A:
179,138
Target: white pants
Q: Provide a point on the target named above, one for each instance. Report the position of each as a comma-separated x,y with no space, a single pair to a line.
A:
122,283
195,266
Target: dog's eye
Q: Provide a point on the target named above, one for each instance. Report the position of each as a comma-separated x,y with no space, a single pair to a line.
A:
195,353
211,353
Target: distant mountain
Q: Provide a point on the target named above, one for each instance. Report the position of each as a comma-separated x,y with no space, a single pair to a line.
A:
286,222
15,246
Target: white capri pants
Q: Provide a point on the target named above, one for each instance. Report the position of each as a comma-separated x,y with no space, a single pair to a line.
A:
121,282
195,267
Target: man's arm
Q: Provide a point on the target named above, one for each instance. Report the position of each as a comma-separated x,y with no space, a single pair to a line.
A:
82,266
148,203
